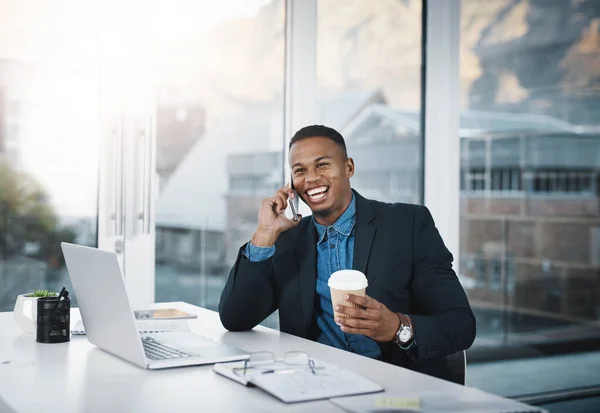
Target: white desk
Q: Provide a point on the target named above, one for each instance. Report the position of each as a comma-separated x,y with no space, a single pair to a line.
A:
78,377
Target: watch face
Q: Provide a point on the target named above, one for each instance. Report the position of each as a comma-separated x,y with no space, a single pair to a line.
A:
405,335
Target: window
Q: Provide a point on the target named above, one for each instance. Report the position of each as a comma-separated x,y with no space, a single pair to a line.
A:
482,273
496,180
506,179
215,170
495,275
219,137
49,139
475,180
563,181
529,126
362,47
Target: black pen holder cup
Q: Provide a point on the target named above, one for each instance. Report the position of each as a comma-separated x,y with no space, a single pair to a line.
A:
53,327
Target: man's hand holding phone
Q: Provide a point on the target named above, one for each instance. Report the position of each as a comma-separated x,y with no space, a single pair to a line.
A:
271,217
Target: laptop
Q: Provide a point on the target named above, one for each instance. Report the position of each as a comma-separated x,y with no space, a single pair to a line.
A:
110,323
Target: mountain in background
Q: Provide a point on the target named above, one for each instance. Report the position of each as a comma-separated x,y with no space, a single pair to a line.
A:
540,56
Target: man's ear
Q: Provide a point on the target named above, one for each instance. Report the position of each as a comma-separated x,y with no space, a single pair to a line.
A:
349,167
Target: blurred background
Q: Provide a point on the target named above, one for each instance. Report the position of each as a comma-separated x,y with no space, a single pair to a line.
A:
529,255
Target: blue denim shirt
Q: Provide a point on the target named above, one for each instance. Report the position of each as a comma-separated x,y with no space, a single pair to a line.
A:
335,251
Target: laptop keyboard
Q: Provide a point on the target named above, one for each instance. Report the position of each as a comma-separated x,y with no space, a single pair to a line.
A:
156,350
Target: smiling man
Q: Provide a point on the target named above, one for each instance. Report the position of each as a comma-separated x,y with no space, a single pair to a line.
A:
415,312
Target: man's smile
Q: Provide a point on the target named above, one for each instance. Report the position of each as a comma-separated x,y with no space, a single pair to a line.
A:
318,194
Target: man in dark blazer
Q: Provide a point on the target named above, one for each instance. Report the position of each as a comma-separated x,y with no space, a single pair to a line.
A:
415,311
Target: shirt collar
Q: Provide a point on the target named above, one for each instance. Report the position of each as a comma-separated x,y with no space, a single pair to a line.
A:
343,225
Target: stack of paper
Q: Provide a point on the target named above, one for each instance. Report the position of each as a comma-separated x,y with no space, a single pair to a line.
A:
471,401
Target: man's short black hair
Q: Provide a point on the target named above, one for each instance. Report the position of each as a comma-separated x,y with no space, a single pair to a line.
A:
320,130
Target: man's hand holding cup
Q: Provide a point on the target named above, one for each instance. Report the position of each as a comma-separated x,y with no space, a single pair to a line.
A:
357,313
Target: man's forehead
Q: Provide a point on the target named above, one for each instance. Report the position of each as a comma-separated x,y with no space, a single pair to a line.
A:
307,151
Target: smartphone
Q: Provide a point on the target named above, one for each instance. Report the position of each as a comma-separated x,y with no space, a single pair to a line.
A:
294,202
162,314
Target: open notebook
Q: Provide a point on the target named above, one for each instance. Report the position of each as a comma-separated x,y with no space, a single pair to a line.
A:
292,385
144,326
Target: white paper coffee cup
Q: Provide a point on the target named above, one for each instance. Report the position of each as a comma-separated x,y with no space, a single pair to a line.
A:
346,282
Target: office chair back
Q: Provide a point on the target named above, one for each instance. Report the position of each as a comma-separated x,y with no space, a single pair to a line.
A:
457,362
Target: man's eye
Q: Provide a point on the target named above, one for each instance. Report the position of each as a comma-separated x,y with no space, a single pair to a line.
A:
321,164
297,171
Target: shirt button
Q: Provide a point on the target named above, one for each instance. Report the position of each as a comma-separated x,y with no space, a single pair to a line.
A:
332,246
330,229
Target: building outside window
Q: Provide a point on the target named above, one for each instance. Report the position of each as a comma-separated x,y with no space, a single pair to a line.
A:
530,204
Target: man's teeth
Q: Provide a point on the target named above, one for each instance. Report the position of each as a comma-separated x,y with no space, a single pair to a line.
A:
317,190
317,193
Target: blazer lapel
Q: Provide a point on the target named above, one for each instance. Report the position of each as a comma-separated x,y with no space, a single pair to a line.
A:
307,273
364,233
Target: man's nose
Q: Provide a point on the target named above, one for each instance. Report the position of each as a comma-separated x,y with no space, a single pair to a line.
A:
312,176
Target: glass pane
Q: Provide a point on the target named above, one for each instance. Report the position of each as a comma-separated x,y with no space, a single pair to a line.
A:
369,89
530,258
219,137
49,133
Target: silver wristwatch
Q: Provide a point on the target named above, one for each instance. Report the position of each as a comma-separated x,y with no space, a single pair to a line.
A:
405,334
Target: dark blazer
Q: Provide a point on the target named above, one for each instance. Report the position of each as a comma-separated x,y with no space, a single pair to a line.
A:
406,263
